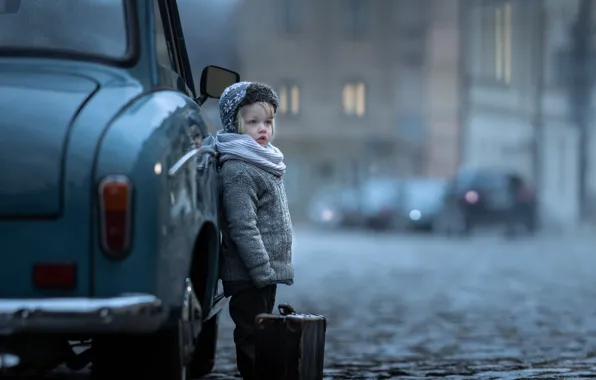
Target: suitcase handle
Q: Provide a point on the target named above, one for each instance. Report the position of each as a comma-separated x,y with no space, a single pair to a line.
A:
286,309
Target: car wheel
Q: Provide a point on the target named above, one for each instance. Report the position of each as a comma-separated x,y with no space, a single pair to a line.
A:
203,359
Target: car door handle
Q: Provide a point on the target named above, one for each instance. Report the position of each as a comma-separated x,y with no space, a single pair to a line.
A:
182,162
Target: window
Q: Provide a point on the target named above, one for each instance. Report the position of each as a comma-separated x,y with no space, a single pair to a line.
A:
356,17
289,100
503,43
164,51
75,28
354,99
412,15
565,64
412,50
290,16
496,42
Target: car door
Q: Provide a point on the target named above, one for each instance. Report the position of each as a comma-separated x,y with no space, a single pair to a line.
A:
206,181
196,119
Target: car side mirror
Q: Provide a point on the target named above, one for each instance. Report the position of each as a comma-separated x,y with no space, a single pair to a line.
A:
214,80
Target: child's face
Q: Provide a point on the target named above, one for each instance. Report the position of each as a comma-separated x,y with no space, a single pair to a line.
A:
258,123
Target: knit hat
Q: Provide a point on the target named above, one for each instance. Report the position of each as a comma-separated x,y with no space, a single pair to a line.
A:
241,94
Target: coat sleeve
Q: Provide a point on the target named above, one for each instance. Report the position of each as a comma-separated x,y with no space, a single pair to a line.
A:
240,199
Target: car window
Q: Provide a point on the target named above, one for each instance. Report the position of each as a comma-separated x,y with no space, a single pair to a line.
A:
425,191
210,36
177,45
377,192
348,199
166,55
464,180
83,28
492,181
480,179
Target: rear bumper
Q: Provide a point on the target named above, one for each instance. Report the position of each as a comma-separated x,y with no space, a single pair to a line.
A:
379,220
142,313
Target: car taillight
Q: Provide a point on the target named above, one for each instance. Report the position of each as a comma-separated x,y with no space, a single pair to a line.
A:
115,208
471,197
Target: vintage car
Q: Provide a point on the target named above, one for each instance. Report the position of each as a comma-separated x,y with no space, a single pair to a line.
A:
108,193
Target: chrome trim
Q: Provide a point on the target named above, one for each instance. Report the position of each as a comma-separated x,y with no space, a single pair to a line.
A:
9,360
208,149
205,162
192,317
191,307
139,313
182,162
102,218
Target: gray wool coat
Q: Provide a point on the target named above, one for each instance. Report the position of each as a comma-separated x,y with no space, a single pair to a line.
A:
256,228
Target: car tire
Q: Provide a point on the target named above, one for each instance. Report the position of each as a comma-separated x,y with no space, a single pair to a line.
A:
203,359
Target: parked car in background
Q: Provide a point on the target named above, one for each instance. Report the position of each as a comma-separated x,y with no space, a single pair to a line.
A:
335,207
422,202
381,200
109,199
486,197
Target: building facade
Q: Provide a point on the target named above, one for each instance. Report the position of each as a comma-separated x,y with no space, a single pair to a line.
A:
367,88
517,98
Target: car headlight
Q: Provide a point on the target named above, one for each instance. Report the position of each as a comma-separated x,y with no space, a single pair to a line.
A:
327,215
415,214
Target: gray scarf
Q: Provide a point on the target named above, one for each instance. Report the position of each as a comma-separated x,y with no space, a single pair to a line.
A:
234,146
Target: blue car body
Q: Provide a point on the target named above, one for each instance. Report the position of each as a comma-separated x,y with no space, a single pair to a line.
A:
70,123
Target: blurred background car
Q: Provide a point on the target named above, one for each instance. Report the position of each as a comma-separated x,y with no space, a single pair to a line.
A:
335,207
422,202
381,200
486,197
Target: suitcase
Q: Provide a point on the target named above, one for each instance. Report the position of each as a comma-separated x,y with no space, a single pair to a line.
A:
290,346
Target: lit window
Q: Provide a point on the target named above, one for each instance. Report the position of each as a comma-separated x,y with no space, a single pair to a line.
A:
283,100
289,100
503,43
354,99
294,100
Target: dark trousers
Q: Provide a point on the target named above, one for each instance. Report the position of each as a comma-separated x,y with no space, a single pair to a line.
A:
245,305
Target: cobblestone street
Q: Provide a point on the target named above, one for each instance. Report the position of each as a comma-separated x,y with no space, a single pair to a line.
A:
416,306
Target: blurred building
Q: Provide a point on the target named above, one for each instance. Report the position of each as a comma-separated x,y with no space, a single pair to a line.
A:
210,39
517,97
367,88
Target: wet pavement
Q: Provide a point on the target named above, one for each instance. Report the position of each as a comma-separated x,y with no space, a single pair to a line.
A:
413,307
